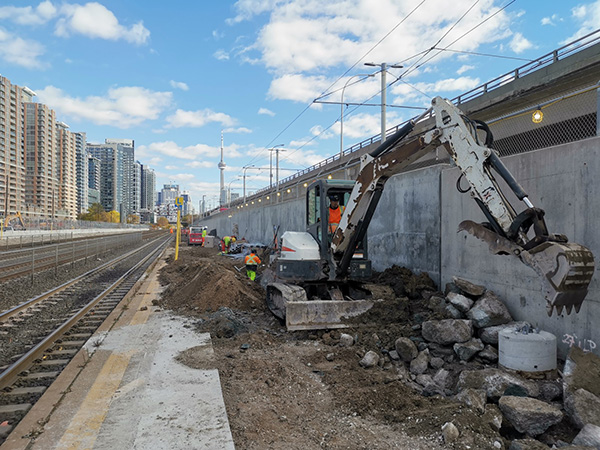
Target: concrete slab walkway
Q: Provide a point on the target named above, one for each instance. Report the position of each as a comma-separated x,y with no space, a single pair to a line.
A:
126,390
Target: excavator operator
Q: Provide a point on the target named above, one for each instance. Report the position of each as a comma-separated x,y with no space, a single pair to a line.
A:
335,212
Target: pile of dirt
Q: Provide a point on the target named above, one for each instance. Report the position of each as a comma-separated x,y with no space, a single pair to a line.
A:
202,281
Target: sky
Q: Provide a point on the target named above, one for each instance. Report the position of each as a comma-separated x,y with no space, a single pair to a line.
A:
176,76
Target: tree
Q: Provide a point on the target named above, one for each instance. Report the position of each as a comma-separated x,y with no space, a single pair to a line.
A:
163,222
114,217
133,218
95,213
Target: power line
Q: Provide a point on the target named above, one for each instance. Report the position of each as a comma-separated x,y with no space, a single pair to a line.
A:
483,54
339,78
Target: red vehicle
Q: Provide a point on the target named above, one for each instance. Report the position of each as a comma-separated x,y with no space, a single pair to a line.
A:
195,236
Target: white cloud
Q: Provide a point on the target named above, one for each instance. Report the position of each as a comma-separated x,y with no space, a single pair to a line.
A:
242,130
520,43
552,20
198,118
121,107
25,53
190,153
221,55
27,15
298,87
246,9
182,176
266,112
464,68
407,93
179,85
309,35
96,21
588,17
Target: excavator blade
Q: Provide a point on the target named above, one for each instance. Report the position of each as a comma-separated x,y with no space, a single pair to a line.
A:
566,268
289,302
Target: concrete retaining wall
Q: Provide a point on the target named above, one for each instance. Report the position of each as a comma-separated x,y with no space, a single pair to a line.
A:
419,212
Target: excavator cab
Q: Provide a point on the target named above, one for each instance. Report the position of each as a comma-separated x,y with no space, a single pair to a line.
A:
318,199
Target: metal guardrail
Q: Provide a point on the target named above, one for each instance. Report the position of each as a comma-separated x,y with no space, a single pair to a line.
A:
31,260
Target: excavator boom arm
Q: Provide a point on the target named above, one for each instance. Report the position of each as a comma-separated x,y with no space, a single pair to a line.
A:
566,268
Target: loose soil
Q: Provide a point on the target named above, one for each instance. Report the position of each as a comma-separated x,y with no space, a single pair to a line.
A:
301,390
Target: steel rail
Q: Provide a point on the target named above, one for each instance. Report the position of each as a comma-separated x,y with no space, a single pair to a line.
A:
11,374
5,315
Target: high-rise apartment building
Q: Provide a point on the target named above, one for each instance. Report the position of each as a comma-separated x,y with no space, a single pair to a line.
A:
41,168
66,173
110,157
127,147
12,147
81,172
137,188
169,193
148,188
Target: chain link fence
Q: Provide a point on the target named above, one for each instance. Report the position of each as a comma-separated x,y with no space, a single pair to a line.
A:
554,121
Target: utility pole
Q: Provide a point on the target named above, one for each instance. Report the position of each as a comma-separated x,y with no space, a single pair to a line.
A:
271,150
384,68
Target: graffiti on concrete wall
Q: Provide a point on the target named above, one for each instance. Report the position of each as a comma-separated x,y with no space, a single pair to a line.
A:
587,345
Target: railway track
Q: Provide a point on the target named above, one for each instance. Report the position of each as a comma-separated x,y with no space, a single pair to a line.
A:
38,338
30,261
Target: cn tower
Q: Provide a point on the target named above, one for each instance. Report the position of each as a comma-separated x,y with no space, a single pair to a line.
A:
222,165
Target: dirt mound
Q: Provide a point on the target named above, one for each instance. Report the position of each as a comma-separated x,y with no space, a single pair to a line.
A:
404,282
201,280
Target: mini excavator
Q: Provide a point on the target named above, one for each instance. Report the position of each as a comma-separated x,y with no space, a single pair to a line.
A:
319,277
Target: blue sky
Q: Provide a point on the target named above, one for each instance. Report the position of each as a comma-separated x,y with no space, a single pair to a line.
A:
174,75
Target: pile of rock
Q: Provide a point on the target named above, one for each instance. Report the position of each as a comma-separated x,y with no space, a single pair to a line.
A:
456,356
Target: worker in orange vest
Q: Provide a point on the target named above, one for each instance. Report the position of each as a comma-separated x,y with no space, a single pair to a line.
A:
252,261
335,213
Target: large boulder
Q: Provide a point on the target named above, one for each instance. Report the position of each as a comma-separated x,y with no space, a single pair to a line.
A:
590,436
473,398
466,350
529,415
495,382
468,288
406,349
489,335
489,311
460,302
582,407
447,331
420,363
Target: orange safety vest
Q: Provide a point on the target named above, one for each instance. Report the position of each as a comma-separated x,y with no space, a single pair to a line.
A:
252,259
335,215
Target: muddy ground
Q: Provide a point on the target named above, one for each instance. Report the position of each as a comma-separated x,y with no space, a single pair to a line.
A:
301,390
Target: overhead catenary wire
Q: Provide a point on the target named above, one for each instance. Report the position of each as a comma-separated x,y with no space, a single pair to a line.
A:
339,78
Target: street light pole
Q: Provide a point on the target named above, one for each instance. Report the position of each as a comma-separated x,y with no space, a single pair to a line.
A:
384,68
271,150
342,109
246,168
277,150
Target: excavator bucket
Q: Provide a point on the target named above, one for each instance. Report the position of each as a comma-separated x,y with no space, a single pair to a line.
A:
289,302
566,268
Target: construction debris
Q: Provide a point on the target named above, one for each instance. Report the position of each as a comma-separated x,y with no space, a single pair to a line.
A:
411,365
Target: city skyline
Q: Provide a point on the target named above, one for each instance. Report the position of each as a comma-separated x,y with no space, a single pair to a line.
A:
174,79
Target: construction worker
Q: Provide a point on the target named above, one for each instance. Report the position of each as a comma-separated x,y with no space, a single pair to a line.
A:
252,261
335,213
204,233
